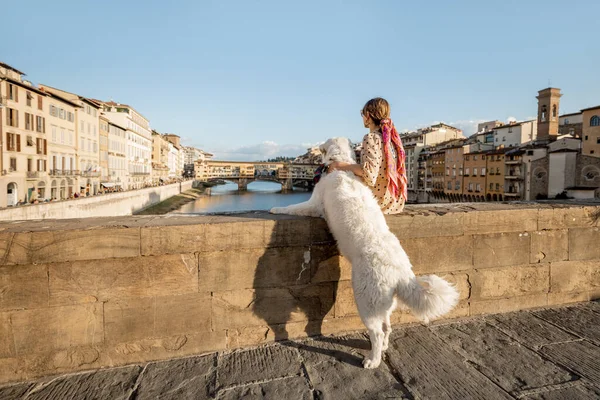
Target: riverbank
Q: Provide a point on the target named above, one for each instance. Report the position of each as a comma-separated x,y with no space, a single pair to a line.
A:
174,203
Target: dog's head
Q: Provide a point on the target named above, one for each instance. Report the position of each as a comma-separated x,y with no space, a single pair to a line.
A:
337,149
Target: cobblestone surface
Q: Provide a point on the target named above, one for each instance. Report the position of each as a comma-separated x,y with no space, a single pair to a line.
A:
541,354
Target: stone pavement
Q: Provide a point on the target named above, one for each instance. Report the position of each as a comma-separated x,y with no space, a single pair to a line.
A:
551,353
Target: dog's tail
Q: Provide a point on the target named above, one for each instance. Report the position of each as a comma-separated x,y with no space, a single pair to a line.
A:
428,296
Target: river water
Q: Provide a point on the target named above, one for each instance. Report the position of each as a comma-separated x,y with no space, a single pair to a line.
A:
259,196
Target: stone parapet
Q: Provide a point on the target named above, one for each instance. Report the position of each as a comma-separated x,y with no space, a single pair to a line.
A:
90,293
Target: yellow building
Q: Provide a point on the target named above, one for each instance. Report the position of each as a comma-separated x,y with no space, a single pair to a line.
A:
474,176
103,148
494,187
591,131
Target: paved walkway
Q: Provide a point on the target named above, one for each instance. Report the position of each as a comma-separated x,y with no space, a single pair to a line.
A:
542,354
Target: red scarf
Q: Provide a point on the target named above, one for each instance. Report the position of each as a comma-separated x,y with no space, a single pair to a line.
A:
396,174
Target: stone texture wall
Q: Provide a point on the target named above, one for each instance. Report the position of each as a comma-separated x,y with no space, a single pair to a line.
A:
83,294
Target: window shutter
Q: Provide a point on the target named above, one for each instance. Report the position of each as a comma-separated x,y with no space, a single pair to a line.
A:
16,93
45,147
16,114
7,89
40,104
8,142
18,142
45,165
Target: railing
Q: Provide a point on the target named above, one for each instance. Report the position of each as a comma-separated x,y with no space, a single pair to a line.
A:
90,174
33,174
63,172
139,173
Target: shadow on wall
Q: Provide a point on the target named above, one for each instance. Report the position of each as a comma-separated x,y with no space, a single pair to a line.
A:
153,198
296,278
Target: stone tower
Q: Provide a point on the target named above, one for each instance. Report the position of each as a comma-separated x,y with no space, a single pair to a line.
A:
547,119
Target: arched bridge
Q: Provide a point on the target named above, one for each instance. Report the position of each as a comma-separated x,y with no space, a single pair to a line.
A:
243,173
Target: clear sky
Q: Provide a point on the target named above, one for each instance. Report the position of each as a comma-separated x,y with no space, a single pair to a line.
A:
257,79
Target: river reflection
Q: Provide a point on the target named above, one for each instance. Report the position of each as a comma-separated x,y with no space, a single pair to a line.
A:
259,196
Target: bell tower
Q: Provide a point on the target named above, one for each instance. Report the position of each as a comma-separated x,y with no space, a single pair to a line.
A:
547,119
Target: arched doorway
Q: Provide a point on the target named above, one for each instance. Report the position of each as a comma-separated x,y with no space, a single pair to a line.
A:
495,197
11,194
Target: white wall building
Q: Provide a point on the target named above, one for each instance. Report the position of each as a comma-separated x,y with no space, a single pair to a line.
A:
118,169
515,134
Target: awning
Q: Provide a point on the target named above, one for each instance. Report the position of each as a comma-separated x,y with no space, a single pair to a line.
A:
107,184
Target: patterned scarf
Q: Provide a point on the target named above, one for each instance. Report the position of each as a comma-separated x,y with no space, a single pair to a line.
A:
397,181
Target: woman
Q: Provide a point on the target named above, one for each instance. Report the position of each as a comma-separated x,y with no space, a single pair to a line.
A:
382,164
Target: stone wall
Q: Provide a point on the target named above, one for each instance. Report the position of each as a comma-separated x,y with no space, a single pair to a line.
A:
110,204
84,294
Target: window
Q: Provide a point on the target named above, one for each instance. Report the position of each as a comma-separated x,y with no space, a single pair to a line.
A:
467,158
509,130
504,138
447,171
483,157
12,117
497,186
449,185
62,136
40,103
29,97
28,121
95,147
478,187
491,186
483,171
61,113
554,112
474,158
598,140
595,121
497,170
586,137
470,187
41,124
457,186
29,141
543,113
53,133
13,141
474,171
496,138
467,170
13,164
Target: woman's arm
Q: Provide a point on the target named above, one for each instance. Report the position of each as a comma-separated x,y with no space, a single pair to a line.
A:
356,169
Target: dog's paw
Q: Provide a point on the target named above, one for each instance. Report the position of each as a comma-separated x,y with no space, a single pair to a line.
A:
371,364
276,210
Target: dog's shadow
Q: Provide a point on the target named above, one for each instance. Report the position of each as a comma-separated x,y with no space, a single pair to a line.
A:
296,284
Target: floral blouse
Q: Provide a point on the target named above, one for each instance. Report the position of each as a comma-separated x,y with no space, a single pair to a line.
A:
375,173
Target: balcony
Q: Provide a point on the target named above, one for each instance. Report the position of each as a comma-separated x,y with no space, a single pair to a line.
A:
63,172
139,173
513,162
513,177
90,174
33,175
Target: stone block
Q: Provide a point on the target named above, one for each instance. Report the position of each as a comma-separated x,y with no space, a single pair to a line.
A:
549,246
331,267
461,282
289,232
426,224
403,316
259,335
122,278
47,329
573,297
156,317
271,306
319,232
234,236
501,249
7,342
74,245
23,287
496,221
563,217
445,254
574,276
254,268
508,282
497,306
157,240
344,301
5,240
583,244
336,326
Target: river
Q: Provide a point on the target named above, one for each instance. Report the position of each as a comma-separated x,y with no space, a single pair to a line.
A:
259,196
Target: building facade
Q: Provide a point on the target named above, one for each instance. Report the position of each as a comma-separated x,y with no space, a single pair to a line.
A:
515,134
118,169
591,131
474,179
103,148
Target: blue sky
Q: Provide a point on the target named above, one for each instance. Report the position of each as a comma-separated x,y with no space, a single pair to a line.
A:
256,79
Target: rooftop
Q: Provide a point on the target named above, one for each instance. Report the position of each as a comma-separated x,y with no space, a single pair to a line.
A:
548,353
4,65
591,108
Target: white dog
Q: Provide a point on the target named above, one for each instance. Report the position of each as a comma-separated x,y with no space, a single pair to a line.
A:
381,270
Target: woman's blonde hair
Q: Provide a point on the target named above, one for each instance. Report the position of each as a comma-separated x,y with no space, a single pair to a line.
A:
377,109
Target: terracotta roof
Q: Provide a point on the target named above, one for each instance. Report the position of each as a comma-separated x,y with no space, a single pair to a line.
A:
23,85
60,98
591,108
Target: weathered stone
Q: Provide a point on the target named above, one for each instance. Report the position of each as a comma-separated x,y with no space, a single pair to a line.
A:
507,305
254,268
489,283
342,325
157,240
16,391
431,370
259,335
46,329
575,276
114,279
332,269
501,249
487,221
7,343
319,232
334,366
288,388
188,378
5,241
566,217
581,357
241,308
426,224
114,384
288,232
405,316
512,367
574,391
583,244
549,246
528,330
572,297
234,236
451,254
344,300
263,363
73,245
577,320
156,317
461,282
23,286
